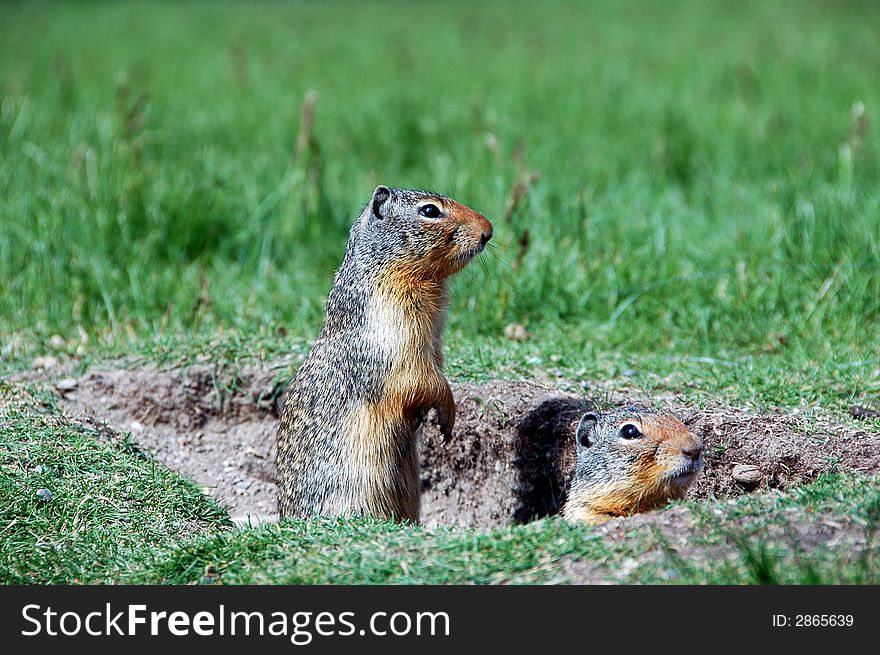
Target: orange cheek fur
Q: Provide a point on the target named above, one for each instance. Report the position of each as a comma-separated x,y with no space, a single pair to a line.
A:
642,493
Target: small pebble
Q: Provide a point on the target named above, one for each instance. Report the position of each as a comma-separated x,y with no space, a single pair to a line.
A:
66,386
863,413
46,362
57,342
44,494
516,332
747,475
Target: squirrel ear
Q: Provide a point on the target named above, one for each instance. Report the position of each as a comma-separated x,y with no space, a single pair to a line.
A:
585,428
380,196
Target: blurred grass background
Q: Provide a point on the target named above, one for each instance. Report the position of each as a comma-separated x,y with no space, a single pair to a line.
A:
700,178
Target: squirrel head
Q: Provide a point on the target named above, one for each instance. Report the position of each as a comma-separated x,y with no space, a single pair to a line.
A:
418,235
633,459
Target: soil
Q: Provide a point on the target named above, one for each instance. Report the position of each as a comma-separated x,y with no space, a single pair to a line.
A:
508,462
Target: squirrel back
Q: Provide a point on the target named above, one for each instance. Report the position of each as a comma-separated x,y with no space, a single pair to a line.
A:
347,439
630,460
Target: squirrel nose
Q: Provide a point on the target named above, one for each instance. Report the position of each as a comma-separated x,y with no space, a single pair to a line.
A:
692,453
486,234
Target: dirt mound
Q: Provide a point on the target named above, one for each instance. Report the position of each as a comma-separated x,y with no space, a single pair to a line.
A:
509,461
789,449
215,428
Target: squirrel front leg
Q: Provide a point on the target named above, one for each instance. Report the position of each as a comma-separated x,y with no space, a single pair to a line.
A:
446,412
445,404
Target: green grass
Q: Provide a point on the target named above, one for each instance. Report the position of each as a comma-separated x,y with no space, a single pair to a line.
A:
77,503
706,222
728,546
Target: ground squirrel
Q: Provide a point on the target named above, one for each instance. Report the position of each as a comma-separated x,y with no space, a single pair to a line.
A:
630,460
347,439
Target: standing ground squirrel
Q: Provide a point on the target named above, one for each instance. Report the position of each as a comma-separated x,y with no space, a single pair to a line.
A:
630,460
347,440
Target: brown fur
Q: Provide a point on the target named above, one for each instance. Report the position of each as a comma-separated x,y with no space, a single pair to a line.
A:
348,444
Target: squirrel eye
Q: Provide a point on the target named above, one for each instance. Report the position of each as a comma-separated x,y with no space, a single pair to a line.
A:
429,211
630,431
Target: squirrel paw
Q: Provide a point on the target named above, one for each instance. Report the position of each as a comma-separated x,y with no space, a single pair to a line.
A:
445,432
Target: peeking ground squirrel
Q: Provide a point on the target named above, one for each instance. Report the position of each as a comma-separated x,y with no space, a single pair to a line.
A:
347,440
630,460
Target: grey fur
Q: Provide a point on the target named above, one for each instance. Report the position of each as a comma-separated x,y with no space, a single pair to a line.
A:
345,371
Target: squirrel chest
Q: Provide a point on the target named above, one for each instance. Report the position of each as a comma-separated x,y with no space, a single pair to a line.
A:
404,335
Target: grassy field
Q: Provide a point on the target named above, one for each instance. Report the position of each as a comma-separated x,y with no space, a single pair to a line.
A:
77,504
701,215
